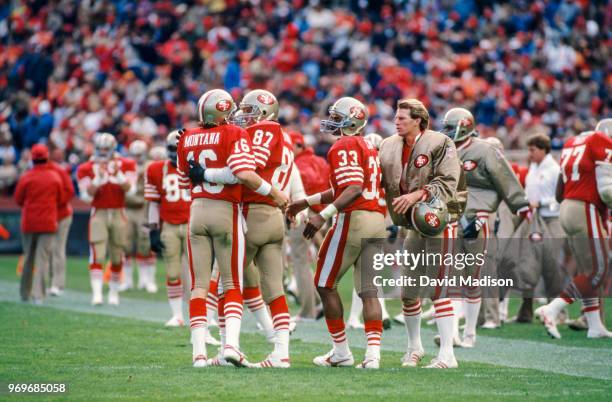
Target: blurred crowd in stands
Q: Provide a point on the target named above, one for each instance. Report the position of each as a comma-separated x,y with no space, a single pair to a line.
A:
136,69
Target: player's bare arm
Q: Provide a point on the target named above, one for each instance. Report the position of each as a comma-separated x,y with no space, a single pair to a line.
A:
348,196
255,183
325,197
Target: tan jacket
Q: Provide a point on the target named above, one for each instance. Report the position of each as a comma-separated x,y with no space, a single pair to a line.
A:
490,179
433,166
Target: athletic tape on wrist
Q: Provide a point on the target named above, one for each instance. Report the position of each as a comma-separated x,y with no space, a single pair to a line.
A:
329,211
265,188
314,199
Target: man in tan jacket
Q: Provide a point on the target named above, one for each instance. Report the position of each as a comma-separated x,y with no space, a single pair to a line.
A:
418,164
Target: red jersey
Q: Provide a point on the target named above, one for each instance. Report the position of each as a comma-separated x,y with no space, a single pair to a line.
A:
215,147
162,186
354,161
273,153
578,159
109,195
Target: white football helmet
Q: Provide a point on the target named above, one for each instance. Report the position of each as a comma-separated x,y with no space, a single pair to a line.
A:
138,151
104,146
347,116
215,107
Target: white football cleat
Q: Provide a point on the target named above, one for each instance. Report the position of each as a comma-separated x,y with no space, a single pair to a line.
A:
272,362
456,341
292,326
113,298
151,287
412,358
355,324
437,363
96,300
126,286
399,318
468,341
549,322
200,361
331,359
210,340
369,363
489,324
175,322
599,333
55,291
218,361
235,357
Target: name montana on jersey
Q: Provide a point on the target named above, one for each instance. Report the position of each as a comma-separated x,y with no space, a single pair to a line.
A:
195,140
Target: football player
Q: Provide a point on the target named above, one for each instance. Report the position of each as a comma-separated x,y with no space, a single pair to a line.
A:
354,201
490,180
137,233
216,228
104,181
421,165
354,320
582,215
273,154
168,215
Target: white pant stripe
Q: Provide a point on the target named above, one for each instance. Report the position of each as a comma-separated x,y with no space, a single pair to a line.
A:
332,250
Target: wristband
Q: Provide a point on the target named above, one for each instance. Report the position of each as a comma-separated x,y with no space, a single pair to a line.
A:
329,211
314,199
265,188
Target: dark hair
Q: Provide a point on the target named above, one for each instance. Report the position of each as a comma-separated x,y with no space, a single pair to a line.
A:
540,141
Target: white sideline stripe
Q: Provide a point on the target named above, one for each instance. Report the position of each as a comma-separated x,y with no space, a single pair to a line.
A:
542,356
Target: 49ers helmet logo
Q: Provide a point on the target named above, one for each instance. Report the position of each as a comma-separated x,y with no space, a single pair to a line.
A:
357,112
223,105
265,99
469,165
421,161
432,220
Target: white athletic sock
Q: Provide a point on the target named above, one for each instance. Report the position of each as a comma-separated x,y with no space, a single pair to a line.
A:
412,321
233,322
356,308
471,310
95,278
198,339
591,312
127,274
444,320
258,308
176,305
458,312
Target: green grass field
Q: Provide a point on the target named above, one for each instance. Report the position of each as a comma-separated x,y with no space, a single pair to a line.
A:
110,353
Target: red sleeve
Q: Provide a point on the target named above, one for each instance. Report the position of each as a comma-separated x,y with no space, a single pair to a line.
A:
152,191
345,163
84,171
601,147
240,157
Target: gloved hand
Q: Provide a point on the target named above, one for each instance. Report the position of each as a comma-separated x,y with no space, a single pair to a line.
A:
100,176
118,178
471,229
156,244
393,232
196,173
